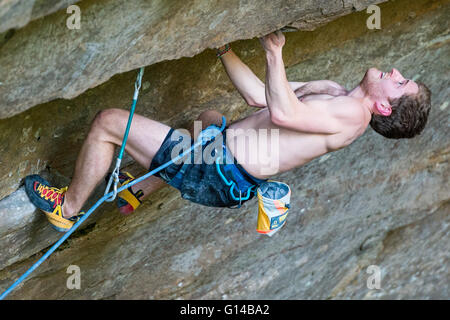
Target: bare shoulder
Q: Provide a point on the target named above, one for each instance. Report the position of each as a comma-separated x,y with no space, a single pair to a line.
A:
334,84
352,119
346,109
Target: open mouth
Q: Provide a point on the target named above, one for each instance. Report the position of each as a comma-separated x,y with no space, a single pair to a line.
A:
385,74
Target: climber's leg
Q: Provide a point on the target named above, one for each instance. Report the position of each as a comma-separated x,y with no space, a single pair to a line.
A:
130,199
96,154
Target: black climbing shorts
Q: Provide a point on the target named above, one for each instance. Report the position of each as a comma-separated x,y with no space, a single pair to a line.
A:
197,180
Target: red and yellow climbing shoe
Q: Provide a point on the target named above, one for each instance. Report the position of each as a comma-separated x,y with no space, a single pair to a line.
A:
50,201
127,200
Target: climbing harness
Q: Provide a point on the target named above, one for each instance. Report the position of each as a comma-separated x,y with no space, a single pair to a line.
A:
209,133
238,184
115,174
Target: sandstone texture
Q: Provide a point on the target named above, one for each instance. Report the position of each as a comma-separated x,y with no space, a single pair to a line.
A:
17,13
378,202
47,60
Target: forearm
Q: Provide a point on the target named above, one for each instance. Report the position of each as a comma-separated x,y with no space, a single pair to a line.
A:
279,95
246,82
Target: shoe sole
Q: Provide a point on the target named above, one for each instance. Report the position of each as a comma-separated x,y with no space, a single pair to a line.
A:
58,223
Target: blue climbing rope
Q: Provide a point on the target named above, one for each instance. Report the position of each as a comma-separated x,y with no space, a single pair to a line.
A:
205,136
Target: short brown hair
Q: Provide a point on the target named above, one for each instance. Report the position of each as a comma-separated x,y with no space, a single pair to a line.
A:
409,115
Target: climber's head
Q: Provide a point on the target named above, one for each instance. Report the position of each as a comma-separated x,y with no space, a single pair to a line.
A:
400,106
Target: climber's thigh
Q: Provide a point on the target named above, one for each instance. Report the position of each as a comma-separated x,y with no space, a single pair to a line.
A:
145,136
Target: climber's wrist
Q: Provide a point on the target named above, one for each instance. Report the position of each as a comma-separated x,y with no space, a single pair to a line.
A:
223,50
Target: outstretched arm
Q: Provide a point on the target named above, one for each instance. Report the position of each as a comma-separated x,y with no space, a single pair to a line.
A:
284,107
246,82
251,88
280,98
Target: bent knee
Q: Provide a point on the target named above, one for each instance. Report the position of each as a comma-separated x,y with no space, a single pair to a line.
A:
209,117
105,122
209,113
106,118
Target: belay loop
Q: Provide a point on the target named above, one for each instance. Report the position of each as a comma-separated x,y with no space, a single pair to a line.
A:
114,178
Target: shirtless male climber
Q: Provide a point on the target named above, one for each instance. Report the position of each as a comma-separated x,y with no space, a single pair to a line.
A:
311,118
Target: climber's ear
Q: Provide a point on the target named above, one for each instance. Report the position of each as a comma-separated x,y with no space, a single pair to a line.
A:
383,108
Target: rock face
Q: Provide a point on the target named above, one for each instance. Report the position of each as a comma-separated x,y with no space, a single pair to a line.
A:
378,202
47,60
17,13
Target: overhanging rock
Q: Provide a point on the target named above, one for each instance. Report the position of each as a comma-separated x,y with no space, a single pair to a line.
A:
46,60
18,13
